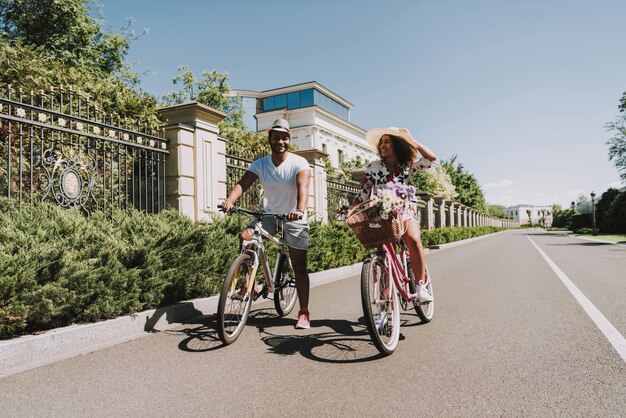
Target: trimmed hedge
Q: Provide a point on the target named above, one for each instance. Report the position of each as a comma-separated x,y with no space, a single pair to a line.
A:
58,267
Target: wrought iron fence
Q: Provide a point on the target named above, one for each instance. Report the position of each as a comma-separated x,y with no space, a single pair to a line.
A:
59,147
236,166
339,194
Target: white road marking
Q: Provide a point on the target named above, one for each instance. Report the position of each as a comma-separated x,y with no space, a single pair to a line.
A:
616,339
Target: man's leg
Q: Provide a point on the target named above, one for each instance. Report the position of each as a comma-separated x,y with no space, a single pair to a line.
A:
299,263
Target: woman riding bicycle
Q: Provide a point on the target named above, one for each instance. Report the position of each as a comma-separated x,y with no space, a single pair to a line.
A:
398,162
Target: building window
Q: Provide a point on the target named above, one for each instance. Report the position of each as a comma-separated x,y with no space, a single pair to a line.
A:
293,100
268,104
304,98
280,101
339,156
325,148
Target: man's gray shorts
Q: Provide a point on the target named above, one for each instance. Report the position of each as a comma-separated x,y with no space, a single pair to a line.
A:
296,232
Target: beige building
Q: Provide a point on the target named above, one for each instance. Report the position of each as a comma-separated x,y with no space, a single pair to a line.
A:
319,119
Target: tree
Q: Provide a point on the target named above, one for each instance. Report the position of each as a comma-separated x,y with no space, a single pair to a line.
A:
617,214
66,30
581,199
617,144
466,185
436,182
603,209
212,90
74,53
497,211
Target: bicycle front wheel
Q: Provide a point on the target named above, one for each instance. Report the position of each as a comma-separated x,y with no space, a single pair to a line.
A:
285,294
381,305
235,299
425,311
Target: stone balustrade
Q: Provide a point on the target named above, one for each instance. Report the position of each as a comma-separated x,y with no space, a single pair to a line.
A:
196,174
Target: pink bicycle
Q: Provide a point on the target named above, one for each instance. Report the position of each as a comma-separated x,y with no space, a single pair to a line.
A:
388,284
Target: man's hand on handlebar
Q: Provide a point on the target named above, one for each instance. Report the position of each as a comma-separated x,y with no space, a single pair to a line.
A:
295,215
226,206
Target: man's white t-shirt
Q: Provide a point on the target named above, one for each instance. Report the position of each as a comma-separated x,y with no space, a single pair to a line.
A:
280,185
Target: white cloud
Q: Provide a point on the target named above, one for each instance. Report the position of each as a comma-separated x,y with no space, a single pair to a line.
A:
499,184
573,194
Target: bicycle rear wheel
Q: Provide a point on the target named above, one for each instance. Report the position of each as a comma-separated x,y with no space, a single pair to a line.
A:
235,299
424,311
382,313
285,294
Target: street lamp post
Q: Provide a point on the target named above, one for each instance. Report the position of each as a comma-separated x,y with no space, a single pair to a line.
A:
593,211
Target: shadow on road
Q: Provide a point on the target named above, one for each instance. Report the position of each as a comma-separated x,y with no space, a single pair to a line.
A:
584,244
338,340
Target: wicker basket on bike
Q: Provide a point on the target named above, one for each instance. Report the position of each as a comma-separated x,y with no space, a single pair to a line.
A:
373,232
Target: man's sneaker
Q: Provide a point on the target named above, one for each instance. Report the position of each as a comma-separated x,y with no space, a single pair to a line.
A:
423,296
303,319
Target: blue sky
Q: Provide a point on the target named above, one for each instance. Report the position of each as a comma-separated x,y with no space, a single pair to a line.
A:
520,91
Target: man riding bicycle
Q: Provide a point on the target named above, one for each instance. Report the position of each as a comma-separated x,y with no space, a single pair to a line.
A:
285,178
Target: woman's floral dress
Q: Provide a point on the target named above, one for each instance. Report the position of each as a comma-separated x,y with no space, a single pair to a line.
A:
376,175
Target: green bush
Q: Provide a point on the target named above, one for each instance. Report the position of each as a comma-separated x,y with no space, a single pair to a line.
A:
563,218
602,209
617,214
584,220
58,267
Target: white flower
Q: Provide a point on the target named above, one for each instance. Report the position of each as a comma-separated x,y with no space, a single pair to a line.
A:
20,112
42,117
96,130
125,136
1,107
80,126
62,122
152,142
111,133
163,145
139,140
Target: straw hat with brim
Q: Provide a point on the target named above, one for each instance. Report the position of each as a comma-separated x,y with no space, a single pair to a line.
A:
373,136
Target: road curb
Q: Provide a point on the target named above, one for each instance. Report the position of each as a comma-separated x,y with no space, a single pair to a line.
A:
30,351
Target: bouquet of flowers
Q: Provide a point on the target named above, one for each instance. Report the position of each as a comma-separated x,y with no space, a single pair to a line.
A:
393,199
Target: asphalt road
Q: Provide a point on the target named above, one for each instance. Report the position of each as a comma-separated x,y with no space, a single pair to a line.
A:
509,338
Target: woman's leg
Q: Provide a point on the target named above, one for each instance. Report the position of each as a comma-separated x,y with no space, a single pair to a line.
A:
413,241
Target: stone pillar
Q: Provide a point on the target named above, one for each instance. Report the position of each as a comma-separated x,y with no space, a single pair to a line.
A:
431,212
440,220
451,218
459,217
318,190
425,207
196,170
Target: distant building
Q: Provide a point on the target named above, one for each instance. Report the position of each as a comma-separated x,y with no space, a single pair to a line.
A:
538,214
318,117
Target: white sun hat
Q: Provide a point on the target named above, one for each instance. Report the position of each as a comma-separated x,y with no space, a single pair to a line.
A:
373,136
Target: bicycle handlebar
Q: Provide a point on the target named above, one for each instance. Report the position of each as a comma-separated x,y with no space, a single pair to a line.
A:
237,209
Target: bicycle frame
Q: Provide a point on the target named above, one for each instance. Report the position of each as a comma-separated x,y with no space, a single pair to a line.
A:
397,268
259,256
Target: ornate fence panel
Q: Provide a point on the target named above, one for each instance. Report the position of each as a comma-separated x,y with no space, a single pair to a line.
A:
58,147
340,194
236,166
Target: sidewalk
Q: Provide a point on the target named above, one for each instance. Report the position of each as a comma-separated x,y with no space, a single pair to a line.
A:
30,351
